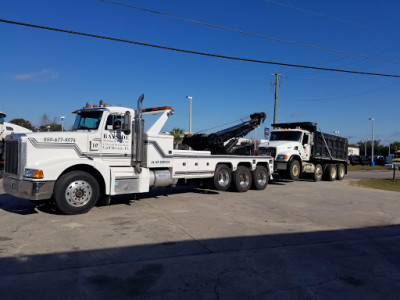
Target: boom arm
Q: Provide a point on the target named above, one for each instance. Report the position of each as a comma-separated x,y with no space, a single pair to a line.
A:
215,141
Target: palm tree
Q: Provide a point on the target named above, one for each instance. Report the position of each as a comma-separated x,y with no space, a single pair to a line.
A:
178,135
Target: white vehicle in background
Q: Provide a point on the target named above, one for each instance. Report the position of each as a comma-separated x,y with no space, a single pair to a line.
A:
6,129
300,148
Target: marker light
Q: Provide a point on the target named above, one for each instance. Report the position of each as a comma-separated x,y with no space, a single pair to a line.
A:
33,173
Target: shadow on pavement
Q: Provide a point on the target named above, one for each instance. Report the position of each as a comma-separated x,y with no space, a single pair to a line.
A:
339,264
26,207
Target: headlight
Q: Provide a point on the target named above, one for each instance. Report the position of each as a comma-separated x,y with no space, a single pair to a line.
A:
33,173
282,157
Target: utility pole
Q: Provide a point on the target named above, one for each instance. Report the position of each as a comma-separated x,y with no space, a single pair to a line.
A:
373,142
276,84
190,112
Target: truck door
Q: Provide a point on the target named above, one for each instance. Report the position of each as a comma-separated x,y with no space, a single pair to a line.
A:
116,145
305,150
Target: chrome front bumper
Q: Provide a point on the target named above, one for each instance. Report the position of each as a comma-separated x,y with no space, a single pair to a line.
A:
32,190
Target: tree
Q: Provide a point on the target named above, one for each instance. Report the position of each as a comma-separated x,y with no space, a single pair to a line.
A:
394,146
47,125
178,135
50,127
24,123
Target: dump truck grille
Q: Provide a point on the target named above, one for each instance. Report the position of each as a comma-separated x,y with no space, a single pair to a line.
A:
11,157
269,151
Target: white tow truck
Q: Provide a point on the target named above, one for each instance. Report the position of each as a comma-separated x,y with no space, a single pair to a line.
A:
6,129
108,153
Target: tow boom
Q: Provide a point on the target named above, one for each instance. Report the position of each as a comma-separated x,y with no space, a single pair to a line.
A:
215,142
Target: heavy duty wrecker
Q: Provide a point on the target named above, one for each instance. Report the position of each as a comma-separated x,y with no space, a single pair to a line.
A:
108,153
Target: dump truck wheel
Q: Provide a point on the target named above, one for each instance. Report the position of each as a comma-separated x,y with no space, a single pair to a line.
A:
340,171
260,178
222,178
242,179
318,172
76,192
331,172
294,170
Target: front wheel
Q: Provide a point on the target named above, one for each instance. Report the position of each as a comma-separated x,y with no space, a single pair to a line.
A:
294,170
76,192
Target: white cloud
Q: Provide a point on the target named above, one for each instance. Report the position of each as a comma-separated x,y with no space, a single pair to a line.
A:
296,114
42,76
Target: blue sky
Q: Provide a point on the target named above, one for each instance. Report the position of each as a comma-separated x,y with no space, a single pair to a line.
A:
55,73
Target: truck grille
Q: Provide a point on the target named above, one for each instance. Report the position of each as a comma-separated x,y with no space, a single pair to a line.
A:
11,157
271,151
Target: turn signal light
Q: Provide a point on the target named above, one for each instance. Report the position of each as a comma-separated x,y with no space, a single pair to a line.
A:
33,173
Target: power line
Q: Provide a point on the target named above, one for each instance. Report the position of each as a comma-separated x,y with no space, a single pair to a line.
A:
218,126
348,96
318,14
249,33
199,53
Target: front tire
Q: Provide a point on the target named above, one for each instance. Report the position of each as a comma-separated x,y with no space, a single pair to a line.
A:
294,170
260,178
242,179
222,178
76,192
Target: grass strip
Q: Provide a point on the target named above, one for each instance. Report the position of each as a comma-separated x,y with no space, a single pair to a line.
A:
365,168
381,184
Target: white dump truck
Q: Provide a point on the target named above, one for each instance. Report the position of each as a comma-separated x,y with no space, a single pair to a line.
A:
299,148
6,129
108,153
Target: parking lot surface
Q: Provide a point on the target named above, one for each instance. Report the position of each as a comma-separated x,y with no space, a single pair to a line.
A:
294,240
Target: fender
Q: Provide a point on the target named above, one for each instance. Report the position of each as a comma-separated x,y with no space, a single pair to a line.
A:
55,168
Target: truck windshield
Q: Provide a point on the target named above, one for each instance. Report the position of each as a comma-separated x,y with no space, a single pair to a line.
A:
88,120
285,136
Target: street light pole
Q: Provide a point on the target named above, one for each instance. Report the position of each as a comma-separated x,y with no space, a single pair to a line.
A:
190,112
372,154
62,123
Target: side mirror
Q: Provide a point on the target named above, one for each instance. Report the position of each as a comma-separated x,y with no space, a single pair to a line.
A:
126,128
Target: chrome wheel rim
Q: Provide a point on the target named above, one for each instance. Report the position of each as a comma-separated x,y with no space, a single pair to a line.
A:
261,178
244,179
78,193
223,177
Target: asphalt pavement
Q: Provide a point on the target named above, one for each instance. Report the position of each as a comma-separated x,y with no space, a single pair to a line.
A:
294,240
